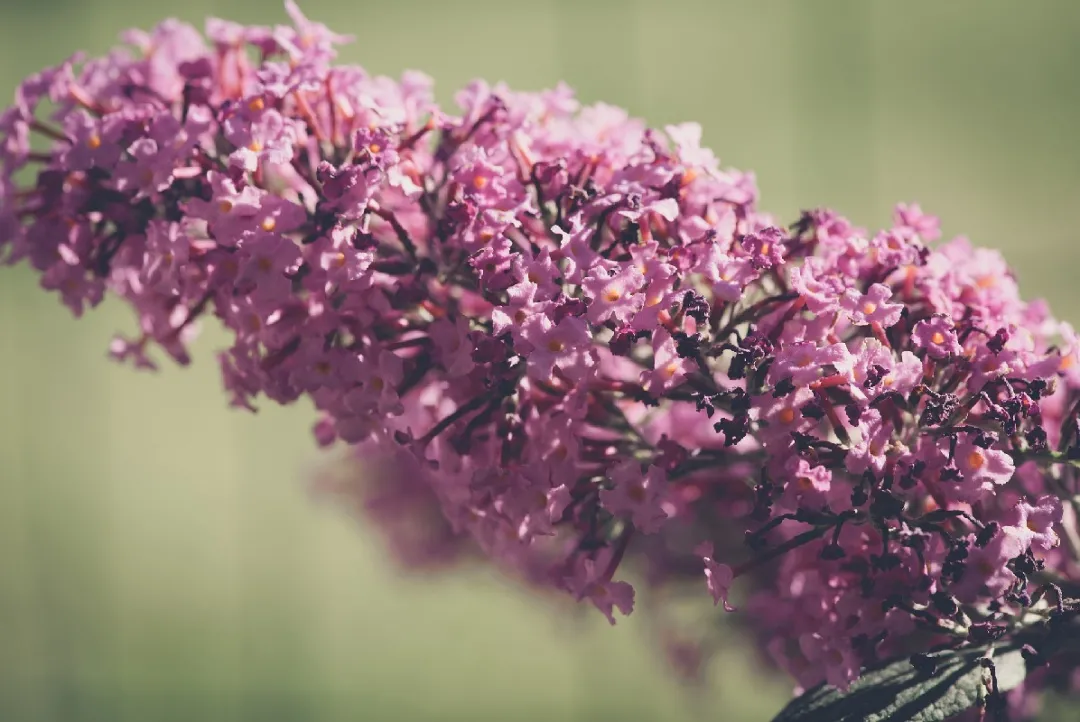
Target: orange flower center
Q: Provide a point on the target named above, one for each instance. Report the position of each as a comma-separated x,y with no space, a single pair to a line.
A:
976,460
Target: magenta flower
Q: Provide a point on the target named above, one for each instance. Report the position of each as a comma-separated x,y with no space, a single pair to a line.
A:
572,345
616,296
838,661
937,337
637,495
168,251
872,306
814,282
806,362
765,248
983,466
718,577
95,143
986,571
1037,521
911,216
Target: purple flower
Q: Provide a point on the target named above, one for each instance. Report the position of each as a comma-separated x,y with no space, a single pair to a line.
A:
1037,521
718,577
728,276
607,596
561,346
805,485
837,660
454,345
669,367
348,190
765,247
912,216
814,282
937,337
637,495
268,257
805,362
482,181
337,256
552,328
95,143
877,371
872,306
985,570
167,254
983,466
263,135
615,296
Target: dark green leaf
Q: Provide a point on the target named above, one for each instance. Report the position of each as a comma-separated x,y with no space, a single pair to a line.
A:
897,692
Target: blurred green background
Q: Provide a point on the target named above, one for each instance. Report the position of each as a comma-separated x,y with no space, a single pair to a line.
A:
160,558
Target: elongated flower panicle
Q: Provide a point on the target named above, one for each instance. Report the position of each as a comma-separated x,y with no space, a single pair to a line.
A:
570,343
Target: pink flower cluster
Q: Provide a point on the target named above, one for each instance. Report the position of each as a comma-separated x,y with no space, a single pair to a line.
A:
572,343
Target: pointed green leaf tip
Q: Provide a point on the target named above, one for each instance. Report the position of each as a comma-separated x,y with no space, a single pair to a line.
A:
897,692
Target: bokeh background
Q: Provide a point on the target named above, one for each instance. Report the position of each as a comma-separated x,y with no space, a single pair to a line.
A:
160,558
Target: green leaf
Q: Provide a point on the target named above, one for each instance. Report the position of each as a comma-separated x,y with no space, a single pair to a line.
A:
897,692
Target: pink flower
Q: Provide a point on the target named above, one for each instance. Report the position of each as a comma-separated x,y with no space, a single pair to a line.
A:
669,368
912,216
805,485
838,661
872,306
607,596
268,257
563,345
818,287
937,337
454,345
167,253
765,248
615,296
637,495
1037,521
985,571
718,577
550,328
983,466
806,362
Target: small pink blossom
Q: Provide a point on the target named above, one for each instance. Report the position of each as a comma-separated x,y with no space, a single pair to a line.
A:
718,577
872,306
937,337
638,495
